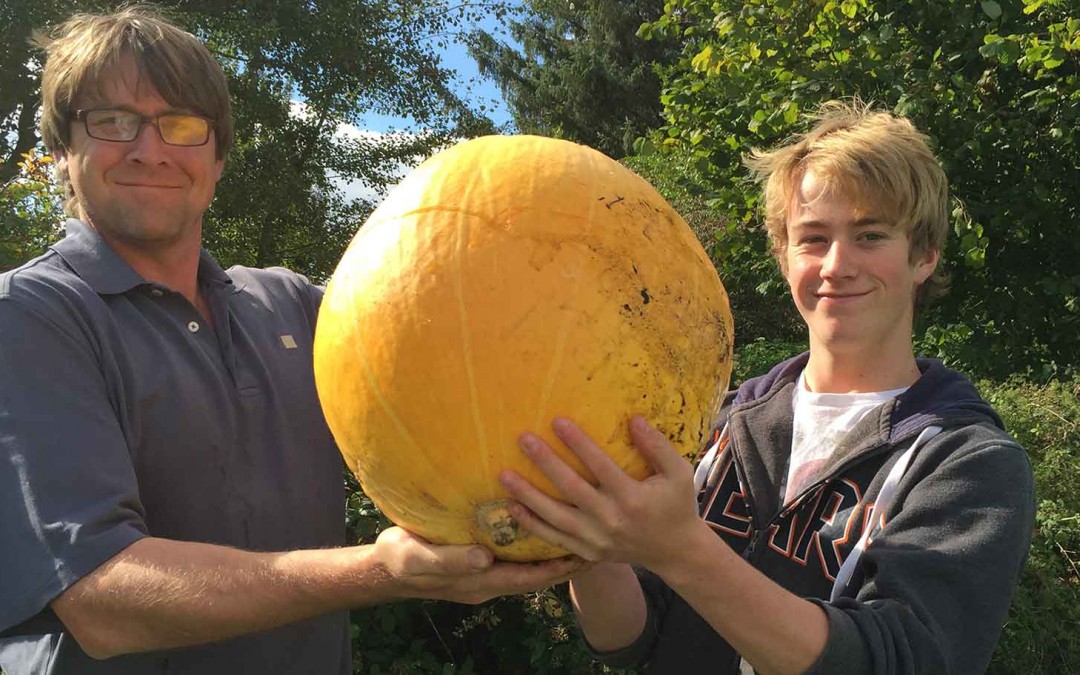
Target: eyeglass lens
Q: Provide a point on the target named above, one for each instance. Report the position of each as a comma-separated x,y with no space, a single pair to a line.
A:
123,125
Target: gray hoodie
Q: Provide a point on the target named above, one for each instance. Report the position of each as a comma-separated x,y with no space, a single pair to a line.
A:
930,592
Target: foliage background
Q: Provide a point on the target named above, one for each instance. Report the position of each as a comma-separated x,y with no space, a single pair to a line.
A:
680,90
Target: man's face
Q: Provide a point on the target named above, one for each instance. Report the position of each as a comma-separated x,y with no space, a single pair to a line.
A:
850,273
141,194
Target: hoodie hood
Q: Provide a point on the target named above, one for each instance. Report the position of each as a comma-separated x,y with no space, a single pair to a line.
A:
941,397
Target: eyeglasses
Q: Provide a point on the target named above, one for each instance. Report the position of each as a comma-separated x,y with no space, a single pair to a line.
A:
121,126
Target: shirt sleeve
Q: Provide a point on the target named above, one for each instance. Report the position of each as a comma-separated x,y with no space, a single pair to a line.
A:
938,578
657,597
68,492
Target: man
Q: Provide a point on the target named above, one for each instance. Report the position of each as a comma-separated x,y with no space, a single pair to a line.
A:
171,499
862,510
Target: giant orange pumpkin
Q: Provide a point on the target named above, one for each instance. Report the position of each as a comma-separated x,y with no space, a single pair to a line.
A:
506,281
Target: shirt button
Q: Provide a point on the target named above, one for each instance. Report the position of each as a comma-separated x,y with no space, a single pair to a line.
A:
193,326
156,293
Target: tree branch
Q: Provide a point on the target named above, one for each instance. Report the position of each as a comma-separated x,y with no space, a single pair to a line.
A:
27,139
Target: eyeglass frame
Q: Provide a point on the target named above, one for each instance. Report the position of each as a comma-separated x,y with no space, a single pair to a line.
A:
82,114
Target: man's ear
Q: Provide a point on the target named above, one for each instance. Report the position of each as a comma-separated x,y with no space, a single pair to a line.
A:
925,267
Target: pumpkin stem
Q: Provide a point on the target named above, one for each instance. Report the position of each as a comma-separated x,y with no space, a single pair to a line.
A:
495,519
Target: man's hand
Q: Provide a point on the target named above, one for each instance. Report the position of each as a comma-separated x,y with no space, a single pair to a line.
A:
619,520
467,574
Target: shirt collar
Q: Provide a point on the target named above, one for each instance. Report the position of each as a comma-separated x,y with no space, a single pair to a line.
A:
210,272
106,272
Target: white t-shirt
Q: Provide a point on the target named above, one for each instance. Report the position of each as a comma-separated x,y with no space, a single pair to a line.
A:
820,422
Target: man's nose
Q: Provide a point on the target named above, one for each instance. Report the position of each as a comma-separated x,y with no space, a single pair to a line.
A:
148,146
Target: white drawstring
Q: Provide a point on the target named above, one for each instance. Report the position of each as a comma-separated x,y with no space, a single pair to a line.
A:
701,473
884,498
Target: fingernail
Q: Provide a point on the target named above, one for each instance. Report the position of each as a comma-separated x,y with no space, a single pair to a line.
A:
479,559
561,424
529,443
507,479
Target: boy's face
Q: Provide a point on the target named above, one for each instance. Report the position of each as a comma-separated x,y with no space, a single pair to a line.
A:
849,272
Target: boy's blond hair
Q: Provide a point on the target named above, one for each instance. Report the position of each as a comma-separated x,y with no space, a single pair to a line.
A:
881,158
80,51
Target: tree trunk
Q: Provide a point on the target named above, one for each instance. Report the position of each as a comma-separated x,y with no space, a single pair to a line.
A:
27,138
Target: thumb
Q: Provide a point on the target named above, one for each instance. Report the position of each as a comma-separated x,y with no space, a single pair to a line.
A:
457,559
479,558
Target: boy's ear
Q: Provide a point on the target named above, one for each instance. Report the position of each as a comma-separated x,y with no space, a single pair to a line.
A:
925,267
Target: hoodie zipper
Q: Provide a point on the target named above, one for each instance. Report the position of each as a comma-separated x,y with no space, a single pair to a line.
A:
757,534
840,470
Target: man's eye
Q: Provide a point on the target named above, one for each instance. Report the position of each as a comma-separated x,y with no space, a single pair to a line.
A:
112,119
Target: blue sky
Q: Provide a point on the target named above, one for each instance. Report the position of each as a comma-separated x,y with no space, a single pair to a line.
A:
479,90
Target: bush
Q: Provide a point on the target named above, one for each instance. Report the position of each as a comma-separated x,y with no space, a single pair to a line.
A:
1040,634
757,357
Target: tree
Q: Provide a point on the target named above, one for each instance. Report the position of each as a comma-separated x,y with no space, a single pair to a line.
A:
995,86
297,71
583,73
30,214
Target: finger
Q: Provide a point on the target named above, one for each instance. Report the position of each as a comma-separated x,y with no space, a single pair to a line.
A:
569,519
537,526
522,578
606,471
576,489
451,560
656,448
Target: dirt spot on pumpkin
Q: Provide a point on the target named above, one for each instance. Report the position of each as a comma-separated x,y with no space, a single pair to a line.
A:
429,500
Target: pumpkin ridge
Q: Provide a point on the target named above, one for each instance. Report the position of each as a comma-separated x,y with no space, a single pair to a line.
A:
564,330
466,342
399,425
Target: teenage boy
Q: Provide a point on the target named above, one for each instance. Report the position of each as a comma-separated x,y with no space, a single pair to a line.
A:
862,510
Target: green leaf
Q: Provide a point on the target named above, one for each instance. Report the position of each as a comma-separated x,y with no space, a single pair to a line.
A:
1032,6
724,26
991,8
791,112
702,59
644,146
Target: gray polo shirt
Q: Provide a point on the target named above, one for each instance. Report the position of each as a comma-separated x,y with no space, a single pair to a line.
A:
124,414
